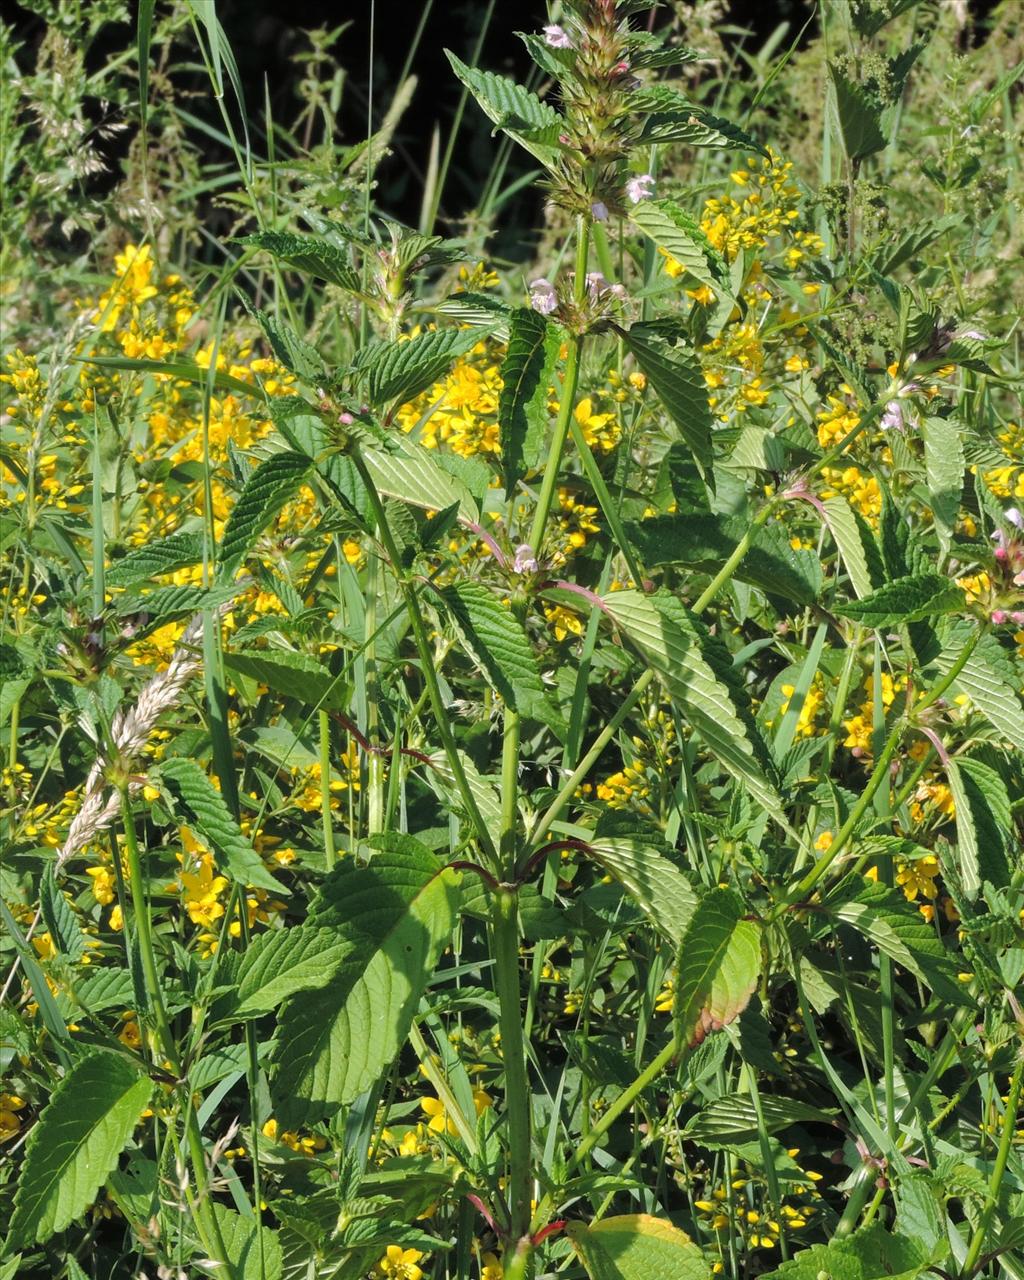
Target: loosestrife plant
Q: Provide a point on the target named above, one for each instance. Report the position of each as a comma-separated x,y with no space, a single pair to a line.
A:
535,790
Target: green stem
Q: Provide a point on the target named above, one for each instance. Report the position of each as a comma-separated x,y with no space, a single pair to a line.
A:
1010,1118
568,397
505,923
206,1222
325,789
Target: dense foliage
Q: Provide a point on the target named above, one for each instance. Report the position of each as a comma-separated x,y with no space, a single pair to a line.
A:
514,771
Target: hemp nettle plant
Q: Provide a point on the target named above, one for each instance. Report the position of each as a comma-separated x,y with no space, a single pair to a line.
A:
542,767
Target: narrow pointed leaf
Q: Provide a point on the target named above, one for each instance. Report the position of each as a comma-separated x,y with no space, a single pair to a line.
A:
526,373
676,377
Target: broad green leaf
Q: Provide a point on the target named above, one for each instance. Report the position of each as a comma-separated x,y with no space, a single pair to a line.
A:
59,917
289,349
497,643
104,989
869,19
658,886
898,929
414,475
851,541
674,118
984,823
309,254
677,379
205,812
75,1144
401,370
268,489
397,912
733,1119
909,599
637,1246
717,967
483,789
699,677
859,121
990,680
515,110
526,373
135,1188
280,963
170,604
674,230
706,541
254,1252
870,1254
944,464
178,551
291,675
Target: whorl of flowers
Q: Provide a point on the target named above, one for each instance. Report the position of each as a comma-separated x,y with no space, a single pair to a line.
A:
130,732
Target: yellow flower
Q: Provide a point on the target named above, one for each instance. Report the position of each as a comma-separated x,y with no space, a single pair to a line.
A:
440,1121
490,1267
600,430
10,1121
563,622
400,1264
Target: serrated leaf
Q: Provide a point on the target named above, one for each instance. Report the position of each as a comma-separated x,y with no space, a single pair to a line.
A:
271,485
717,968
415,476
178,551
289,349
104,989
705,541
909,599
514,109
205,812
59,918
991,682
870,1254
637,1246
677,379
944,465
401,370
496,642
674,230
984,821
733,1119
75,1144
526,373
658,886
292,675
278,964
253,1251
850,539
674,118
398,912
859,121
170,604
897,928
309,254
699,677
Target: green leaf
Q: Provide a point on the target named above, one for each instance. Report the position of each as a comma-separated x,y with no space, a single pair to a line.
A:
677,379
870,1254
673,118
851,540
295,353
733,1119
271,485
636,1246
242,1242
278,964
706,541
515,110
75,1144
526,373
415,476
181,370
909,599
717,967
206,813
859,121
309,254
699,677
944,464
658,886
291,675
984,823
397,912
674,230
990,680
496,642
154,558
169,604
898,929
59,917
401,370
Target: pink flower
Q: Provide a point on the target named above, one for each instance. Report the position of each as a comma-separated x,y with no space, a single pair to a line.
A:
557,37
542,296
599,211
525,561
892,419
640,187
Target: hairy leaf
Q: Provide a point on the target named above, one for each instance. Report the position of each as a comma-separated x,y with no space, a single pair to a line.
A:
944,464
294,352
309,254
254,1252
659,888
515,110
401,370
674,230
526,373
717,968
415,476
870,1254
271,485
733,1119
292,675
909,599
852,541
154,558
496,642
677,379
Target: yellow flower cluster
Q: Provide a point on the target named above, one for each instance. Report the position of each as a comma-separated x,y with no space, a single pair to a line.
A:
460,411
839,419
304,1146
812,704
759,1230
860,490
860,727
